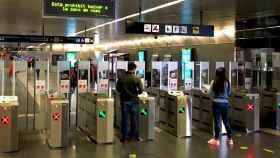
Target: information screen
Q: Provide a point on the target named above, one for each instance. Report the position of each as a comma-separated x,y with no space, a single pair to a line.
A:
79,8
186,57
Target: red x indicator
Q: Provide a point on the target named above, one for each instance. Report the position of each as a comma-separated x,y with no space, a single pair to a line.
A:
250,107
56,116
5,120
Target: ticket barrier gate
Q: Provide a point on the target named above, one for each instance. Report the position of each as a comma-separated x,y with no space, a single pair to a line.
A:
99,117
202,115
9,135
245,111
117,106
178,111
163,110
146,117
58,116
270,104
154,92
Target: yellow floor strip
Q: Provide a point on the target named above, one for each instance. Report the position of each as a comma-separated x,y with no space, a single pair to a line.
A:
268,150
243,147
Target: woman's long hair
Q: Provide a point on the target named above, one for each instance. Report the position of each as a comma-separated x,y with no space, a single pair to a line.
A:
219,82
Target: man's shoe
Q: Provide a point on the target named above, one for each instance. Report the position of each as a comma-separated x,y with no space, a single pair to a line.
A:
123,140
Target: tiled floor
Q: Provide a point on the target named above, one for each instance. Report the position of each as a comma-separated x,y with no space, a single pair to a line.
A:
257,145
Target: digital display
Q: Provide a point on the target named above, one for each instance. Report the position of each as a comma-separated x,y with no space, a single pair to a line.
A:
185,57
141,56
79,8
71,57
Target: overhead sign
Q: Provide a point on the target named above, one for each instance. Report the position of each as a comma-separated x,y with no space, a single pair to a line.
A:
79,8
169,29
45,39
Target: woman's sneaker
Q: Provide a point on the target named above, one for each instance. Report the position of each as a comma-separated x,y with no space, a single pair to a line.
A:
230,141
213,141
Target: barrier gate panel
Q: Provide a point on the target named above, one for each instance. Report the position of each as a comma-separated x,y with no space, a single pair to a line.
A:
147,118
20,88
58,123
8,125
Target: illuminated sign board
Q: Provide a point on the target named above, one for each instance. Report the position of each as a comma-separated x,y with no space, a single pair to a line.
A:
71,57
141,56
45,39
185,57
79,8
169,29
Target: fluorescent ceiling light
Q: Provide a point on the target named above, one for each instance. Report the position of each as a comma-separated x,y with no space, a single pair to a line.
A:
131,16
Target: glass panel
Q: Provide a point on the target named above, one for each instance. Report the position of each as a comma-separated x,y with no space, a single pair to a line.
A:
204,67
233,74
189,75
197,75
63,79
2,77
41,89
156,74
103,77
84,77
20,84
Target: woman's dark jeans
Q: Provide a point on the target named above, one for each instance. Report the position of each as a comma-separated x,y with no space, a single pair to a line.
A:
221,109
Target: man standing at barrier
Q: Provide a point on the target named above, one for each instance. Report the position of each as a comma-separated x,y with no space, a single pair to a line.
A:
129,86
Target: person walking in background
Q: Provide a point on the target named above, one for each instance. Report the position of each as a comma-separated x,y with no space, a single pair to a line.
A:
220,91
129,86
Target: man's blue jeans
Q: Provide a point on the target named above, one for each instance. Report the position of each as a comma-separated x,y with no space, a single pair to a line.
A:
129,111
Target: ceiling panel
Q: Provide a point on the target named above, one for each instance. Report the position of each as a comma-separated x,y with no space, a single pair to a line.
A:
25,16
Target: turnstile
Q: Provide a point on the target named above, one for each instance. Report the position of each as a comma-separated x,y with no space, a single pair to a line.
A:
269,109
202,114
178,108
146,117
99,117
278,112
154,92
117,106
58,116
163,110
9,136
245,111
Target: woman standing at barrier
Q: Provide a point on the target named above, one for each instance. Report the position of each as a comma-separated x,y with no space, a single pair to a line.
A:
220,90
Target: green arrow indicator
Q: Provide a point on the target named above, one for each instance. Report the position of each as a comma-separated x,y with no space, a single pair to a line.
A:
143,112
181,109
278,104
102,114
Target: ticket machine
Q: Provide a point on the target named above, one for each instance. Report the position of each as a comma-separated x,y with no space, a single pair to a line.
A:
9,134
